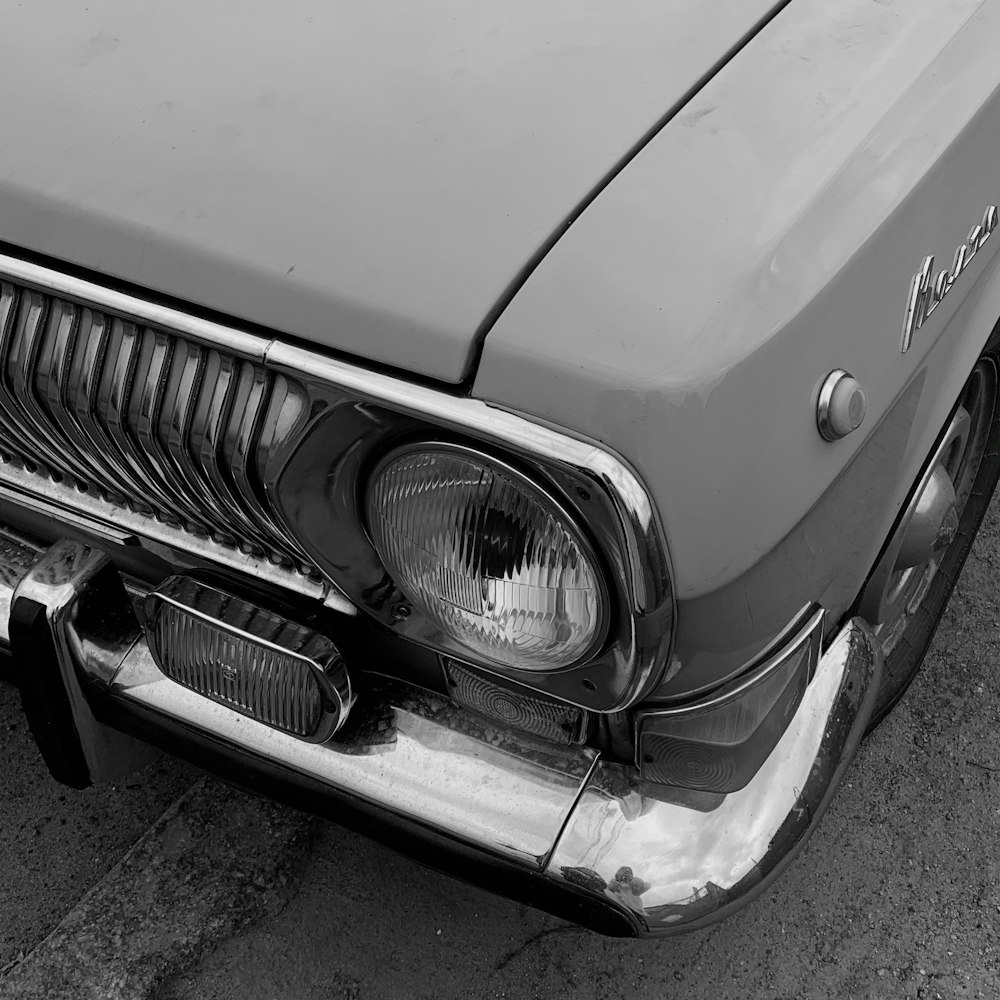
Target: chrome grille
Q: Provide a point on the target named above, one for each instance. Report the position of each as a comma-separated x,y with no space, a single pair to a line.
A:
146,420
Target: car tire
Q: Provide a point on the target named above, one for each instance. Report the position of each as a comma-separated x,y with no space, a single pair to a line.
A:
905,641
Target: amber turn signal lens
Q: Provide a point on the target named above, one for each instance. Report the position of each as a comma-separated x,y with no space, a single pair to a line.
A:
719,744
552,720
490,558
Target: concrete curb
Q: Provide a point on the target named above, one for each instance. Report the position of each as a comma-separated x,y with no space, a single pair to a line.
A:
214,861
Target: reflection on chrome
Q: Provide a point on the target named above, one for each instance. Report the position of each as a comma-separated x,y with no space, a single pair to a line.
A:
692,864
437,764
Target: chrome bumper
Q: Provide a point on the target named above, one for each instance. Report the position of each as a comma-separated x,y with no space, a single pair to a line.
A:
557,827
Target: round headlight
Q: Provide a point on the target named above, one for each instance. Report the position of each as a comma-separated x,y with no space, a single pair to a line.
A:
489,558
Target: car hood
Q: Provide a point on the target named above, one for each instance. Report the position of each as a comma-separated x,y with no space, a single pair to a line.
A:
370,177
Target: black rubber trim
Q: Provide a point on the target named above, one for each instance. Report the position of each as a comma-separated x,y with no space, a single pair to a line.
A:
421,843
8,675
44,697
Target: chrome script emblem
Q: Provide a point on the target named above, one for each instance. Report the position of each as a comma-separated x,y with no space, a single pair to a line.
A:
925,295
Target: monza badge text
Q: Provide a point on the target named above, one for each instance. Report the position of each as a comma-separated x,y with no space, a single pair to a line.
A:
925,294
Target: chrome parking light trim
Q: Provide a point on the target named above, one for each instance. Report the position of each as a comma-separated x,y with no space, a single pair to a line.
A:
272,695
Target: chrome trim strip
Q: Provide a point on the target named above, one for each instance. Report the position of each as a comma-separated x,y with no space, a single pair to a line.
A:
640,564
489,422
811,631
114,524
247,345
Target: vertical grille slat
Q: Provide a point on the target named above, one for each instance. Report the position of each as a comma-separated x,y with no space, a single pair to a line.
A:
145,415
211,416
19,362
121,371
89,395
46,386
11,432
243,458
55,379
250,382
142,418
176,417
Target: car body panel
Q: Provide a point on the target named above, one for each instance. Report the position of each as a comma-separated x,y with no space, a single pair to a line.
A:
766,236
367,177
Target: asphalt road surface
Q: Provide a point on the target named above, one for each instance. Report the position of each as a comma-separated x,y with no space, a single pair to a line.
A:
897,895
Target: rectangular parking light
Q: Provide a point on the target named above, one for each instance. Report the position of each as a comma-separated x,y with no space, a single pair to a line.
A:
550,719
248,659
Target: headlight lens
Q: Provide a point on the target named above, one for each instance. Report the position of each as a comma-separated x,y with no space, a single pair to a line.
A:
487,556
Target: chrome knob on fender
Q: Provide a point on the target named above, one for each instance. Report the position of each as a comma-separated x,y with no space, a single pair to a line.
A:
841,405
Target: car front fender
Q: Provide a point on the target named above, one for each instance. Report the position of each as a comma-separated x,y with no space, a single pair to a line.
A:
765,237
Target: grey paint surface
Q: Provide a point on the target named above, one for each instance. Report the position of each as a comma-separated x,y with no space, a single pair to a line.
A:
366,176
763,238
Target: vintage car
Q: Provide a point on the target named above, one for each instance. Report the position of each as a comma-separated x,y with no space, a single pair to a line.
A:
543,436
